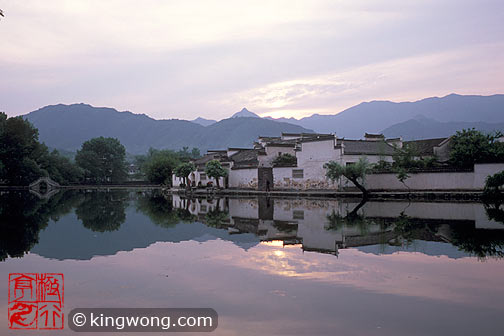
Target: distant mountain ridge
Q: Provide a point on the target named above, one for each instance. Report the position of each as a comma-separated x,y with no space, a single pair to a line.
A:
425,128
244,113
375,116
203,121
68,126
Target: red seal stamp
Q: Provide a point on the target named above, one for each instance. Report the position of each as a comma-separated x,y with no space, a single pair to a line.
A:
36,300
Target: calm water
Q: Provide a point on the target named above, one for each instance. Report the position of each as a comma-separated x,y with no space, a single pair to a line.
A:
267,266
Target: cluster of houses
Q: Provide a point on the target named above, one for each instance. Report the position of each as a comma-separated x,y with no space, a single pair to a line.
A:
258,168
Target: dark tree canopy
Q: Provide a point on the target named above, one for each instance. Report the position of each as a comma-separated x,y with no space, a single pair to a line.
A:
471,146
159,166
102,160
184,170
214,169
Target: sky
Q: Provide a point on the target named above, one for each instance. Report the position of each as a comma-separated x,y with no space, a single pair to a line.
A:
280,58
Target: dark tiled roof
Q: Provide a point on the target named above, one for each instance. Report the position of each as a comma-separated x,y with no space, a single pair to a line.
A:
245,158
424,147
374,136
210,156
366,147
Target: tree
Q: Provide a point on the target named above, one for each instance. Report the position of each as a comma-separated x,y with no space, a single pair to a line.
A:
470,146
213,168
159,167
355,172
184,170
24,159
103,160
19,151
493,185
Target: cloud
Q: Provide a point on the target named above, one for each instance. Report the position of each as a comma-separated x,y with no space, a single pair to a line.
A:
466,70
210,58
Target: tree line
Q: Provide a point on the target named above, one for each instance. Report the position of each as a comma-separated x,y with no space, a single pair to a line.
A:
23,159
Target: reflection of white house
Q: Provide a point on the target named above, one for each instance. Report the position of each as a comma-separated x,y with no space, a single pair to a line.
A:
308,222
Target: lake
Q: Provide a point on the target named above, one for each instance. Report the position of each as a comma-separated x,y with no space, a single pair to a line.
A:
268,266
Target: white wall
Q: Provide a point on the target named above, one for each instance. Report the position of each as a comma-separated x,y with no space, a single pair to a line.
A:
243,178
436,181
196,177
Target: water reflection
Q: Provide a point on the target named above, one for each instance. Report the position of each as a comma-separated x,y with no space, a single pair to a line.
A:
81,224
327,226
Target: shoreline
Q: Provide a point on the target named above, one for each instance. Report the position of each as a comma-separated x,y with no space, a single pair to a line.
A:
430,195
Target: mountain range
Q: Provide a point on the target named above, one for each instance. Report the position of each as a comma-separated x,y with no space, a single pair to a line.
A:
377,116
66,127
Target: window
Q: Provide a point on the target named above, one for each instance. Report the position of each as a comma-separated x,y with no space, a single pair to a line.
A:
202,176
297,173
298,214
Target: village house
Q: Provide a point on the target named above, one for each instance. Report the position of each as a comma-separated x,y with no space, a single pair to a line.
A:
258,168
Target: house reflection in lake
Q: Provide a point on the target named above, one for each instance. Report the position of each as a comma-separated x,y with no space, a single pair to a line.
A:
327,225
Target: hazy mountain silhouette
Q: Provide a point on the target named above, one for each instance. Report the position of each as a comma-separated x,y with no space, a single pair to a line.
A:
68,126
245,113
203,121
421,127
376,116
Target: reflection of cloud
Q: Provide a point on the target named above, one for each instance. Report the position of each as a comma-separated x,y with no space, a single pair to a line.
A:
404,273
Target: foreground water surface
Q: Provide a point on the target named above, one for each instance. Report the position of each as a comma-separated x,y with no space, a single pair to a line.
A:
268,266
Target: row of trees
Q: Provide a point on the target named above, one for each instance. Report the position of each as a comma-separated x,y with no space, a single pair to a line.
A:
23,159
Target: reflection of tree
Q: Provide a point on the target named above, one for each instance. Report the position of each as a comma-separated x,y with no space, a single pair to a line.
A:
158,209
103,211
494,212
481,243
217,218
184,215
23,215
351,219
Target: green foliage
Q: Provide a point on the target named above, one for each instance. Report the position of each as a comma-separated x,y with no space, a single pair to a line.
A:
185,155
285,160
355,173
471,146
406,157
213,168
23,159
493,185
159,166
402,175
102,160
184,170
